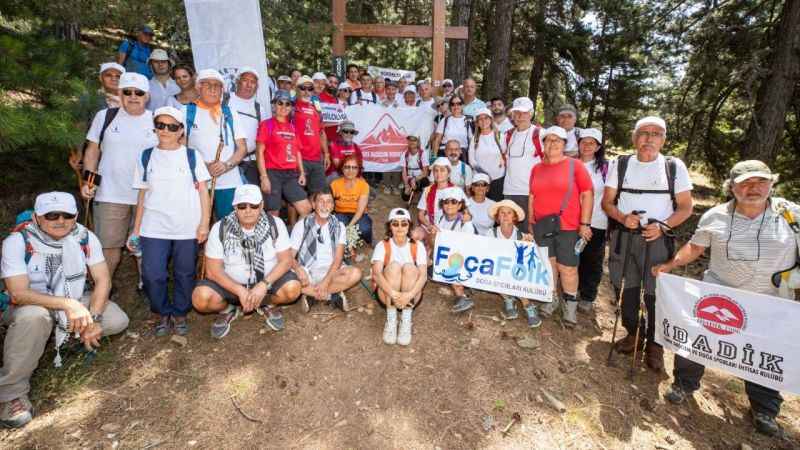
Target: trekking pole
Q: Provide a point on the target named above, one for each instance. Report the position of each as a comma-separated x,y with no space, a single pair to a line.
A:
201,271
87,208
642,317
411,197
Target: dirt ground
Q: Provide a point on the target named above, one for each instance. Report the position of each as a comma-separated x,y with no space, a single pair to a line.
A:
329,382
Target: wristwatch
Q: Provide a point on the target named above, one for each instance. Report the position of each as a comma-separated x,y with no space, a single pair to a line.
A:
97,318
267,284
586,224
229,165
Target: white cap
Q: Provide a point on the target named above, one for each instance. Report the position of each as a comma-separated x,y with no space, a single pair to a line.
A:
454,193
446,81
171,111
134,80
319,76
556,130
650,120
442,161
522,104
158,55
303,80
55,202
410,88
247,69
399,213
482,112
111,65
593,133
480,176
247,193
284,78
210,74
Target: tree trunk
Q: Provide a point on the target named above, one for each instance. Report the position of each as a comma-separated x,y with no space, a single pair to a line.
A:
499,33
539,53
456,61
69,31
775,93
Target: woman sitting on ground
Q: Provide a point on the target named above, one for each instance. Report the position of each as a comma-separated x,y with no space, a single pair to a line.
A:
479,204
183,74
351,194
399,273
454,206
507,215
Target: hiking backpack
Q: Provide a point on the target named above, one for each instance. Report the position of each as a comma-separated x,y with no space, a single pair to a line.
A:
669,167
191,114
226,98
191,156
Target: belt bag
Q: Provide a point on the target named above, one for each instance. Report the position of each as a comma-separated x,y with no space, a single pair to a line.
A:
549,226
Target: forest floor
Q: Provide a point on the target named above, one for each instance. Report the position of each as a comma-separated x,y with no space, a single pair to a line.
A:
329,382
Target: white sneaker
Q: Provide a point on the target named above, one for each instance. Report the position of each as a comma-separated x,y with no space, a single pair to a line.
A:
404,336
390,329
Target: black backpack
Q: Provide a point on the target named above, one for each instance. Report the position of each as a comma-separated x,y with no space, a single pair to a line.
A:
669,167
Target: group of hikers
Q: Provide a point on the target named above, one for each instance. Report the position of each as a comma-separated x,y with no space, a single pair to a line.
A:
168,153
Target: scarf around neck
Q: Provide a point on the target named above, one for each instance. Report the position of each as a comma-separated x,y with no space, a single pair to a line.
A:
249,245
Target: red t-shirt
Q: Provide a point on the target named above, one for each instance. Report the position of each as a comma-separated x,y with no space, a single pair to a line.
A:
330,130
548,186
339,150
308,123
281,144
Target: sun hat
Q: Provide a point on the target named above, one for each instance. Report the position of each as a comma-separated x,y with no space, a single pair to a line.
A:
751,168
158,55
347,125
303,80
247,193
55,202
134,80
506,204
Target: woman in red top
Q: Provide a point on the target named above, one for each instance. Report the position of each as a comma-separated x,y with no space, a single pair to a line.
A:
280,164
561,203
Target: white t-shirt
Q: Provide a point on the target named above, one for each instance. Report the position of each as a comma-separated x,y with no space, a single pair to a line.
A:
460,175
160,94
204,138
171,202
249,119
572,143
364,97
521,159
599,218
402,254
488,158
651,176
414,164
324,257
123,142
456,129
504,126
422,205
515,234
13,263
235,264
456,225
426,103
480,214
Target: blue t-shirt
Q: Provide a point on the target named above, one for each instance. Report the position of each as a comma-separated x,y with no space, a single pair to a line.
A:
137,61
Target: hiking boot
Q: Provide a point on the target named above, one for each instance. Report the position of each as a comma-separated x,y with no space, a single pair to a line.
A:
509,308
338,300
547,309
676,395
625,345
533,318
163,327
765,424
654,356
307,302
404,332
462,304
180,325
16,413
273,317
570,314
222,325
585,307
390,329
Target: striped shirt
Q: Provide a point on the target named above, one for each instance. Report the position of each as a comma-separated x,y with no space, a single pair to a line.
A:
746,252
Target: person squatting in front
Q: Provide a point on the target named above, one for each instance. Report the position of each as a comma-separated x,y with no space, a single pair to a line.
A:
399,274
44,267
248,262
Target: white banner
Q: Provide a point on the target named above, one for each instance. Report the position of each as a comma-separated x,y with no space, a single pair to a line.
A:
227,38
382,133
751,336
333,113
392,74
504,266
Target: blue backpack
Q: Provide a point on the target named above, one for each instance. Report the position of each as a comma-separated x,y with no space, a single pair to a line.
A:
191,113
191,155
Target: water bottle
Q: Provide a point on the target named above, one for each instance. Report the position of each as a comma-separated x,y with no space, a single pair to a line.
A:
580,245
136,245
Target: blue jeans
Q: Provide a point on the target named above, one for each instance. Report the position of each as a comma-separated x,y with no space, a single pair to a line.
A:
364,225
156,255
223,202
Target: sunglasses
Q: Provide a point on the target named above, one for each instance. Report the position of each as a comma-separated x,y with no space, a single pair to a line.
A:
51,216
305,88
173,127
481,184
348,132
450,201
243,206
283,103
398,224
456,104
132,92
345,90
350,167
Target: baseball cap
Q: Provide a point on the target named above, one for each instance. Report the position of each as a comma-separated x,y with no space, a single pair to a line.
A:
522,104
303,80
751,169
567,109
410,88
391,82
447,81
146,30
593,133
454,193
347,125
556,130
284,78
319,76
171,111
210,74
442,161
344,87
482,112
650,120
399,213
247,69
110,66
282,94
134,80
247,193
412,137
55,202
158,55
481,177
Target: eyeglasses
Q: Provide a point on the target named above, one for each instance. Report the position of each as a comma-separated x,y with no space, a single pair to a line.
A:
450,201
305,88
481,184
283,103
348,131
349,167
651,134
173,127
740,255
132,92
244,206
52,216
399,224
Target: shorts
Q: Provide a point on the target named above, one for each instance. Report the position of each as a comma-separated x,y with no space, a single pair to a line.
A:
113,223
249,170
233,299
561,246
316,275
283,185
315,176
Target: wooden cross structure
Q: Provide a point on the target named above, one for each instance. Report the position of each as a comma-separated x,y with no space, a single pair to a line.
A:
438,31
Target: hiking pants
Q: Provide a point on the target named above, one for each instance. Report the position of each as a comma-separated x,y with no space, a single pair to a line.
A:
156,255
590,267
29,328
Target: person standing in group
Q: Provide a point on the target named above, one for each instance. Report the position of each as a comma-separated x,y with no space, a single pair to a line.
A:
379,88
414,168
447,88
643,186
248,109
342,147
172,217
343,93
108,95
561,203
460,172
487,153
115,140
134,55
426,99
364,94
353,75
162,86
566,116
524,150
391,98
322,92
501,121
183,74
409,97
479,204
472,104
590,266
454,126
285,83
215,130
313,143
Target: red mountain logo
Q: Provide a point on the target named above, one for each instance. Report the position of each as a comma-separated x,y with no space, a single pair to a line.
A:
385,142
720,314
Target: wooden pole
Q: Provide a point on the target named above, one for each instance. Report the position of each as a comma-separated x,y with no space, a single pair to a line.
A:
339,14
438,41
